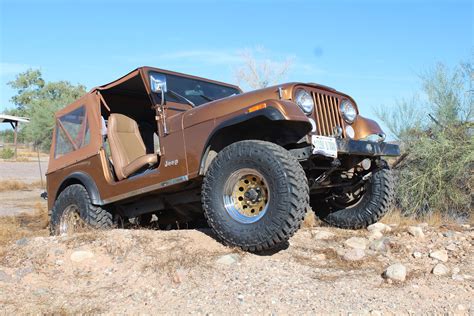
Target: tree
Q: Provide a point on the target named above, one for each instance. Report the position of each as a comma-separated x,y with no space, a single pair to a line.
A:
38,100
436,135
260,73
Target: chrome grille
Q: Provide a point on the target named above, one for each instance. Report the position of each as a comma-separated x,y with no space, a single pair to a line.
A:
327,114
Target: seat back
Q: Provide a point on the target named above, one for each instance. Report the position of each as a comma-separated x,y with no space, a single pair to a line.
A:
126,144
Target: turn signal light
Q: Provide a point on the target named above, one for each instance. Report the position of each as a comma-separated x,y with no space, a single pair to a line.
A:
257,107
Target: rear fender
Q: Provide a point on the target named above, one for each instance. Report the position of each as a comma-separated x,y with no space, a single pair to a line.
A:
85,180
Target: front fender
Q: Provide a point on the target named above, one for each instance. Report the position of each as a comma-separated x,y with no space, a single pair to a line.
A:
364,127
279,122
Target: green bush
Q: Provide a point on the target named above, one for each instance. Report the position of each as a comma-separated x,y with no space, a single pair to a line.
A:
38,100
436,137
7,153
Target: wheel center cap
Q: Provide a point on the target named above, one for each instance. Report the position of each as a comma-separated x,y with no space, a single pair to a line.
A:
252,194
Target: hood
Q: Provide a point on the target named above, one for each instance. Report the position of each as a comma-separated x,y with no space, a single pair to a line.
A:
231,104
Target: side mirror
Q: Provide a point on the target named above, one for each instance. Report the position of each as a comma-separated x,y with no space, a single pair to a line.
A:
157,82
158,85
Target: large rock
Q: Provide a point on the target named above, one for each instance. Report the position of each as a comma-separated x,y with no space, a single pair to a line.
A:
228,259
354,254
396,272
381,227
440,269
416,231
356,243
81,255
441,255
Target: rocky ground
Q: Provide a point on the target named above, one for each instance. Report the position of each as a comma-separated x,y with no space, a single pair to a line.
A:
401,270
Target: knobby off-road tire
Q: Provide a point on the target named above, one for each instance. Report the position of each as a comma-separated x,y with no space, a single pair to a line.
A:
287,195
76,198
371,207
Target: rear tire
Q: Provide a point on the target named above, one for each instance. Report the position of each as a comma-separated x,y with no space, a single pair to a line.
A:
371,207
74,203
269,199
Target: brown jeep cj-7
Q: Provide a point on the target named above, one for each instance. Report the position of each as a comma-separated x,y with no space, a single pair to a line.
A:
186,148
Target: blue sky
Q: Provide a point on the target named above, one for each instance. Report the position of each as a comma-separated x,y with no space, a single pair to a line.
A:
372,50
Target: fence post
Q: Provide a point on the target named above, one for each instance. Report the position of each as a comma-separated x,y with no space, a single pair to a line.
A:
15,139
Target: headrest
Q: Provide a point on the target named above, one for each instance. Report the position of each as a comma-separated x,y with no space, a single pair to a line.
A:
122,124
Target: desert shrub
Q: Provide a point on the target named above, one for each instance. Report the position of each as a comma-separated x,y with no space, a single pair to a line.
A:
435,172
7,153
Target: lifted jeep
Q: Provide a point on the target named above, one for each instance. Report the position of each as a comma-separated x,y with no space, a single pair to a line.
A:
187,149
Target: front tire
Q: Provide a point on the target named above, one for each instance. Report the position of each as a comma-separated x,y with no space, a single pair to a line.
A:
73,212
374,203
254,195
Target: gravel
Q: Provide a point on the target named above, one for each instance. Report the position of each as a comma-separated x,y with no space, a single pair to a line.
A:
189,272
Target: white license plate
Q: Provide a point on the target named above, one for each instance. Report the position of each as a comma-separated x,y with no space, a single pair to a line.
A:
325,146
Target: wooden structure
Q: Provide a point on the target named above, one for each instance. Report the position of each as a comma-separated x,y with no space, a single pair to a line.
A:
14,121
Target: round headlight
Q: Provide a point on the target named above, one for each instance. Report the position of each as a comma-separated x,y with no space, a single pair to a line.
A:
348,111
304,101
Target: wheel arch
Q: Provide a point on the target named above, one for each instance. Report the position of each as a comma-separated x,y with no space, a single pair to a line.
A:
277,129
86,181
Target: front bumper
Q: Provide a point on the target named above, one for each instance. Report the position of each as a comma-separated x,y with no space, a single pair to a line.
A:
365,148
353,147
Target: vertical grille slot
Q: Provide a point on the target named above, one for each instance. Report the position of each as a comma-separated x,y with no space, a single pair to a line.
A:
327,114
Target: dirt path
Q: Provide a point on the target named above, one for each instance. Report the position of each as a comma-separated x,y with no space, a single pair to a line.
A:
20,201
22,171
14,202
188,271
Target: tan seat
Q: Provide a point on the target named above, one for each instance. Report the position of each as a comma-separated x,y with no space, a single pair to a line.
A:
127,147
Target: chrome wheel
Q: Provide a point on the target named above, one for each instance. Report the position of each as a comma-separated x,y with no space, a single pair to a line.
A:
246,196
71,221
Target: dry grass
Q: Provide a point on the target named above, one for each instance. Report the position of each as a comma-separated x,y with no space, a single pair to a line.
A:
436,219
394,216
30,154
23,159
310,220
13,185
24,225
